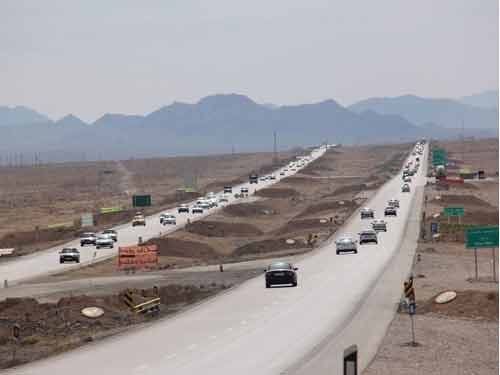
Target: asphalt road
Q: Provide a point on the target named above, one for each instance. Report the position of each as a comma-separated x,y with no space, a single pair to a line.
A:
251,329
47,261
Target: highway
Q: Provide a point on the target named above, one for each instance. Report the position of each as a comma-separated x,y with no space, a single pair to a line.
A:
47,261
251,329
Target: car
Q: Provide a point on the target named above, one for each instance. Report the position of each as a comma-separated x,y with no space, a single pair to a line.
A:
87,238
169,219
223,200
282,173
407,179
204,204
69,255
272,177
213,202
281,273
263,178
346,245
183,208
405,188
244,190
228,189
393,203
367,213
112,233
390,211
138,220
253,178
368,235
104,241
197,210
379,225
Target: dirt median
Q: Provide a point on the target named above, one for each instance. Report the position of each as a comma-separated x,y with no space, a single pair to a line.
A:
249,210
276,193
222,229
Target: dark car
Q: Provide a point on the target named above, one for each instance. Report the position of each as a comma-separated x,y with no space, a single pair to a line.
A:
390,211
183,208
281,273
253,178
69,255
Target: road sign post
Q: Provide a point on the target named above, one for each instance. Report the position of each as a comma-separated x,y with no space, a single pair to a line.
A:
482,237
409,293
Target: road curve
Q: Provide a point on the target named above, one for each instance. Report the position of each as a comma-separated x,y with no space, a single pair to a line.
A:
251,329
47,261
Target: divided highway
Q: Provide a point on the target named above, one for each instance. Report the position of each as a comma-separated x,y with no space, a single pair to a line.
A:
47,261
251,329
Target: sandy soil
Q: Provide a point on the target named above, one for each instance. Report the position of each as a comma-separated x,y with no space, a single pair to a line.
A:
460,337
32,197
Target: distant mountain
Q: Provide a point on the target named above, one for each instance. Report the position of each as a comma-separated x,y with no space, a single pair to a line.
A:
215,124
486,99
20,115
447,113
70,120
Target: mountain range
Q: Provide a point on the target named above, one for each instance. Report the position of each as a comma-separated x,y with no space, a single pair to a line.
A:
219,123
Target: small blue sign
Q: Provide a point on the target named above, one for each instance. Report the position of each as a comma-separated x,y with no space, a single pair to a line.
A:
434,228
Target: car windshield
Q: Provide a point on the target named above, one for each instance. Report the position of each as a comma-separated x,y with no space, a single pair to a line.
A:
88,235
280,266
69,251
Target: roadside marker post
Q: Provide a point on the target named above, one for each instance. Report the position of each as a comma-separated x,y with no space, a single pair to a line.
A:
409,293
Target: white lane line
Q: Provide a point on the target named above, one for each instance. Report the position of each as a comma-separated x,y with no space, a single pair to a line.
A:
169,356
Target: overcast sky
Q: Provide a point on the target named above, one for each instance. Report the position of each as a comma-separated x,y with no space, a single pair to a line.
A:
94,56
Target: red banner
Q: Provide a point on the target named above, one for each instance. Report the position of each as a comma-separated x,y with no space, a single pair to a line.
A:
137,256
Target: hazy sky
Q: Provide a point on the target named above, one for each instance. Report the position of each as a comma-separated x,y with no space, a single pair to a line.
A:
95,56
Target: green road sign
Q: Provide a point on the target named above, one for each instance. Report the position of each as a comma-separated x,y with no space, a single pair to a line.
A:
141,200
477,237
439,156
454,211
108,210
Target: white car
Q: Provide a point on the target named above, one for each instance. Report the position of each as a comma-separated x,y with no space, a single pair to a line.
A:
379,225
104,240
183,208
169,219
244,190
346,245
112,233
394,203
204,204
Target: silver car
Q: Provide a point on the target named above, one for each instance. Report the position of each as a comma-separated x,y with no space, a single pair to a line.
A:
346,245
405,188
104,241
367,213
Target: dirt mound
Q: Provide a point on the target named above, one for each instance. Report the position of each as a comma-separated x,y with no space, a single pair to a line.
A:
175,247
465,200
49,328
328,206
248,210
267,246
300,225
472,304
347,189
20,239
222,229
276,193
